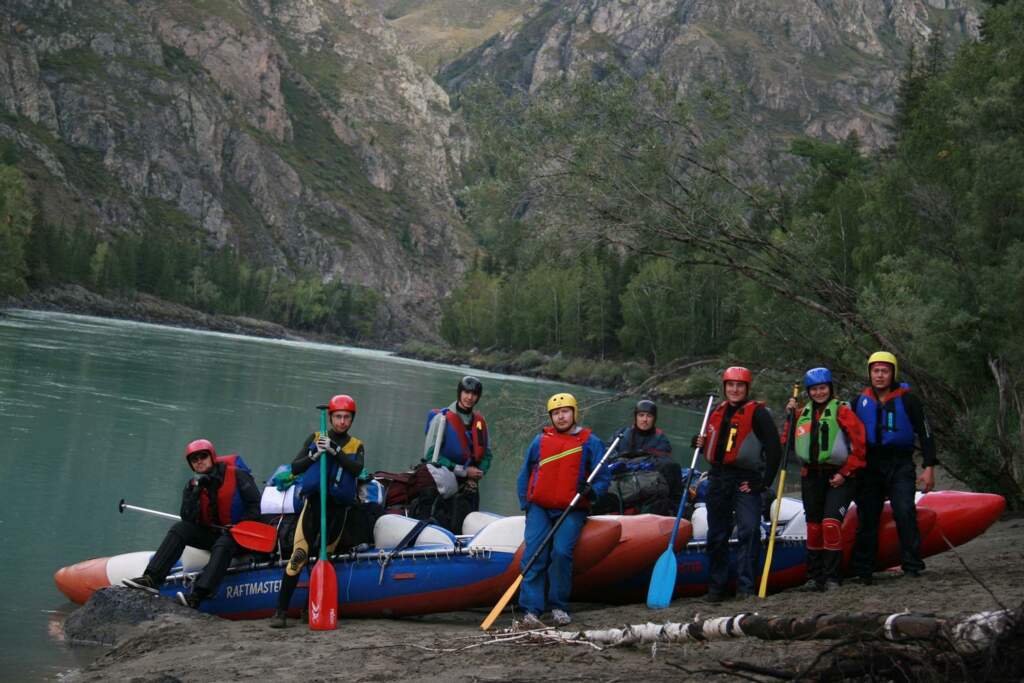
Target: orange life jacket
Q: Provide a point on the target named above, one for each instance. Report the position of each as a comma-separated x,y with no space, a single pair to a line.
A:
560,469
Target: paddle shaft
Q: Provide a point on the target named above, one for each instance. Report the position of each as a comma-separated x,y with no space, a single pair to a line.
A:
543,544
663,575
323,488
693,466
763,589
250,534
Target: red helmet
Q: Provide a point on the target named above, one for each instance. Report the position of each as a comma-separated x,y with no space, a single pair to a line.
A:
341,402
737,374
200,445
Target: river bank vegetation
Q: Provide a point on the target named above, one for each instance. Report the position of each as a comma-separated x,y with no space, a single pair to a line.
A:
620,222
38,256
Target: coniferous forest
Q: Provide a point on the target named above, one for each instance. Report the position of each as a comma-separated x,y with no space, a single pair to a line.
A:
619,220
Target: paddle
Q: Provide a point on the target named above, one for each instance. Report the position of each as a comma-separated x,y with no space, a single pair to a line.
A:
323,583
763,590
663,578
486,624
252,535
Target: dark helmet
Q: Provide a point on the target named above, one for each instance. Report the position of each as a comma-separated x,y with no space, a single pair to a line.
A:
645,405
472,385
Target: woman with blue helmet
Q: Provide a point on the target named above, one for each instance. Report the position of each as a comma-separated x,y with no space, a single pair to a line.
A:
829,440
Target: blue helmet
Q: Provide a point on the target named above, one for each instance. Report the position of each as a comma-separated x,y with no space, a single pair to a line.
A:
817,376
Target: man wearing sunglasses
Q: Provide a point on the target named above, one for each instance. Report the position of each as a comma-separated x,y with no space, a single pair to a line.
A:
220,493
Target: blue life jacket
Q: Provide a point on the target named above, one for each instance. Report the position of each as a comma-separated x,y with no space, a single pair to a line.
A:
886,424
461,445
342,486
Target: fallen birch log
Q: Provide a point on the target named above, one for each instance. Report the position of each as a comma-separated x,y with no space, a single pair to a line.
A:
966,636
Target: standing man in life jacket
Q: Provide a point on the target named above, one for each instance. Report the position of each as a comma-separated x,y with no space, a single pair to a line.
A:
219,492
348,522
556,468
742,446
893,417
457,440
829,440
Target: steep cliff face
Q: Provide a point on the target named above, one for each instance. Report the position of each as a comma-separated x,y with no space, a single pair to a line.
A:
803,66
294,130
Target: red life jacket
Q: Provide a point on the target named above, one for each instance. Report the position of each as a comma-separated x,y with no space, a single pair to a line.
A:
743,448
227,492
559,470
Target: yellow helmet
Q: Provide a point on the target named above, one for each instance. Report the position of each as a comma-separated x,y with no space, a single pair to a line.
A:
884,357
563,401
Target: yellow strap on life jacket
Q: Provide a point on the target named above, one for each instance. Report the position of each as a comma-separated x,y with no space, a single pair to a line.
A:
559,456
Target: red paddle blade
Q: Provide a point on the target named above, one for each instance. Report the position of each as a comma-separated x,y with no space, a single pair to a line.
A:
323,597
255,536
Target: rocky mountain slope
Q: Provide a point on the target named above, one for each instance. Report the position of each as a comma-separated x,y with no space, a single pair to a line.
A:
435,32
296,131
814,67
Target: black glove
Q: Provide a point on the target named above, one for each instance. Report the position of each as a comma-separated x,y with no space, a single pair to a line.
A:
202,481
584,489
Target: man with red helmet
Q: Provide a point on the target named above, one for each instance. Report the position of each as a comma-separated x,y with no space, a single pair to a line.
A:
348,523
220,492
742,447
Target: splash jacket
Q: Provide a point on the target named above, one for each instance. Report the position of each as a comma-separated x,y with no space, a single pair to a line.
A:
635,443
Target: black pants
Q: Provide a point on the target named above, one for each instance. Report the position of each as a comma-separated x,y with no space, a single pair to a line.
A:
894,477
221,545
824,508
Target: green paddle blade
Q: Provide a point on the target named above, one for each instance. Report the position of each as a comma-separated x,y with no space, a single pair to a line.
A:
663,580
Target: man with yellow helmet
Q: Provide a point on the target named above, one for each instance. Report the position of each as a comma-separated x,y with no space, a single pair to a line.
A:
557,465
893,420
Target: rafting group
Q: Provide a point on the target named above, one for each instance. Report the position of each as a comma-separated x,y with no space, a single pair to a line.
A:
859,452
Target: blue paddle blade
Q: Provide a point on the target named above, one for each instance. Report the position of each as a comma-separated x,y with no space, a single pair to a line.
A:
663,581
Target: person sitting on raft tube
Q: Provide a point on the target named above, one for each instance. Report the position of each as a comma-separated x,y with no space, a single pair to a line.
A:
742,446
556,468
644,444
893,417
218,493
829,440
464,444
346,519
